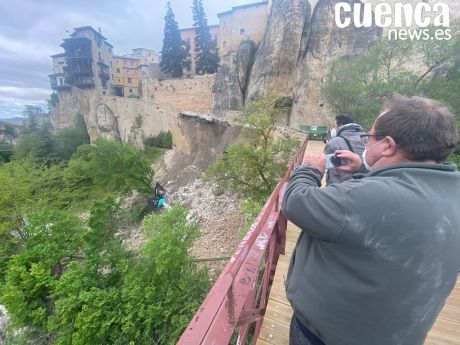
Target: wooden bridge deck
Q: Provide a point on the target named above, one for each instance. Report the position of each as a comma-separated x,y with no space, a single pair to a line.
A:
275,326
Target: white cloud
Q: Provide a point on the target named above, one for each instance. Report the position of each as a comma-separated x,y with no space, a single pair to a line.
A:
14,99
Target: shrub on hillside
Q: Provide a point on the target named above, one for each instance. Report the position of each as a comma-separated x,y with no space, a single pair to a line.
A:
162,140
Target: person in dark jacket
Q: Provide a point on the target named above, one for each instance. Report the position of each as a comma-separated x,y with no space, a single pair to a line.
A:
377,256
347,138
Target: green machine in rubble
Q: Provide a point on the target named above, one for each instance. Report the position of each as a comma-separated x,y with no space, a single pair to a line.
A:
315,132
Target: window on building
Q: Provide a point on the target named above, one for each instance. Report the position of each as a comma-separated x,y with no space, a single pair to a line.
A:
242,31
118,70
225,44
130,81
100,57
130,90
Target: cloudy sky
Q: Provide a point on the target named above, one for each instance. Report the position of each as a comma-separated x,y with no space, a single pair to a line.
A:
32,30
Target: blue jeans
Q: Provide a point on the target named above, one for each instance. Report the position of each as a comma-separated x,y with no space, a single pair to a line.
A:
301,335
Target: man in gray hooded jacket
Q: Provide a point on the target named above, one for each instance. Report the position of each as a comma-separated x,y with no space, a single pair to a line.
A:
377,256
347,138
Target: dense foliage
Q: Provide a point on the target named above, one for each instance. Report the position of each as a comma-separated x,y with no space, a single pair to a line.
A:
75,284
207,55
173,53
253,169
41,146
53,100
67,140
28,187
6,151
67,280
162,140
113,166
359,85
10,132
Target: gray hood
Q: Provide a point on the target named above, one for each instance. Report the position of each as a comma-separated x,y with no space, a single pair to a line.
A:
352,127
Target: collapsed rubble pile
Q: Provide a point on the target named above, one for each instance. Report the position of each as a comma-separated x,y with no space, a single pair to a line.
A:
218,215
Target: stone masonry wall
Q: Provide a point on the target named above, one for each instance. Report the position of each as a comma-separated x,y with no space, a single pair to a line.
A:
183,94
115,118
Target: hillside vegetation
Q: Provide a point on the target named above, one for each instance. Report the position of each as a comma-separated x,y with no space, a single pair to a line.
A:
65,279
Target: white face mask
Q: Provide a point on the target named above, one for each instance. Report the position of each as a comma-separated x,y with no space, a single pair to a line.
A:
369,167
333,132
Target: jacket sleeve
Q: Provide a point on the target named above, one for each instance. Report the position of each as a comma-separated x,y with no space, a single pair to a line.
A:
335,144
319,212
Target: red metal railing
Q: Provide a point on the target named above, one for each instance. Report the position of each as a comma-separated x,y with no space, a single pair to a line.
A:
238,298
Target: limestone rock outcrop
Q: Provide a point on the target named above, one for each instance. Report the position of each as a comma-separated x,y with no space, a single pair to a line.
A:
275,66
232,78
107,124
293,60
324,43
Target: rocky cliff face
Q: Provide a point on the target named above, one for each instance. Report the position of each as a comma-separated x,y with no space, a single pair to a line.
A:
275,65
324,43
232,78
107,124
293,59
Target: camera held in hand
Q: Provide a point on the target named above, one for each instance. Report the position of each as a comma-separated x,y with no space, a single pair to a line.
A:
334,161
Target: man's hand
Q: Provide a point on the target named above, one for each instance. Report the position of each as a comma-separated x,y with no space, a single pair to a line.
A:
316,159
353,161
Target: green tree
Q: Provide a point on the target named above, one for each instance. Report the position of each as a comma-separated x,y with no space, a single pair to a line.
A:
37,141
37,146
6,151
10,131
31,112
26,189
173,54
207,55
67,140
162,140
175,286
359,85
113,166
51,239
115,297
14,201
71,284
53,100
254,168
